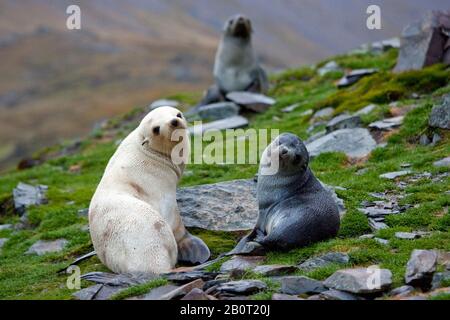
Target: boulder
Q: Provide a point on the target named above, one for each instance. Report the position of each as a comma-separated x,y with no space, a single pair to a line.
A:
440,114
223,124
360,280
251,101
423,43
355,143
218,111
26,195
163,103
226,206
42,247
355,76
241,287
343,121
299,284
387,124
324,260
420,268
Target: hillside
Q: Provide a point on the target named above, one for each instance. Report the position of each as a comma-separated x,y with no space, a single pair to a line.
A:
72,172
128,54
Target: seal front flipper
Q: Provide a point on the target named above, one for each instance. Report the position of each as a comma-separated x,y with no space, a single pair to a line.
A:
192,249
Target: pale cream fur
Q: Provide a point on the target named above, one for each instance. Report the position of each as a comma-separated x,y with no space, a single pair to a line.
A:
134,219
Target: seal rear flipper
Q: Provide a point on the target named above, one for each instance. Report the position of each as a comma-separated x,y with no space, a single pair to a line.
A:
192,249
248,246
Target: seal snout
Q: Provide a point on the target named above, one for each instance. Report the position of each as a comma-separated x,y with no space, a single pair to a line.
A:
174,123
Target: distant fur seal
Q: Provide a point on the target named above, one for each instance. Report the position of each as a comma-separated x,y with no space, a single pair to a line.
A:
236,67
134,219
294,209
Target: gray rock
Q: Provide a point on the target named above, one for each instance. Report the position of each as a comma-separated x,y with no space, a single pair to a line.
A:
376,225
42,247
343,121
26,195
439,279
402,291
274,270
88,293
251,101
407,235
2,243
299,284
119,280
218,111
241,287
316,136
83,212
227,123
226,206
366,110
291,108
239,264
163,103
325,260
355,76
436,139
387,124
395,175
353,142
424,140
6,227
381,241
331,66
189,276
283,297
156,293
367,236
183,290
360,281
422,42
385,45
323,113
195,294
440,114
420,268
338,295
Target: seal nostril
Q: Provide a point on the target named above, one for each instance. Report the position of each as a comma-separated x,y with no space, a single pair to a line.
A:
284,151
174,123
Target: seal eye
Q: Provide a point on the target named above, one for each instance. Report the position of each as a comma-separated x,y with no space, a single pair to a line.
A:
179,115
156,130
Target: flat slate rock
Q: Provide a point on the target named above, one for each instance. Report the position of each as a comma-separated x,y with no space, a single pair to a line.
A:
355,143
440,114
331,66
323,113
407,235
42,247
343,121
355,76
6,227
285,297
366,110
227,123
88,293
395,175
240,264
441,163
324,260
291,108
241,287
226,206
402,291
439,279
299,284
196,294
183,290
163,103
338,295
114,279
275,270
359,281
218,111
189,276
252,101
420,268
26,195
387,124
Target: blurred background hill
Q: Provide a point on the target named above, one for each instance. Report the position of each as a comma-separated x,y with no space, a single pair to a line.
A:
56,83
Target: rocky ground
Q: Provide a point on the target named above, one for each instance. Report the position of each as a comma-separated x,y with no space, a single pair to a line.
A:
379,140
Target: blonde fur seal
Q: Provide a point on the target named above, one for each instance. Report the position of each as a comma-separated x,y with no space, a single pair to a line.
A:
134,219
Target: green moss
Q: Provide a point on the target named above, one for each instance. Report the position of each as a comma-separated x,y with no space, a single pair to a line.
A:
139,289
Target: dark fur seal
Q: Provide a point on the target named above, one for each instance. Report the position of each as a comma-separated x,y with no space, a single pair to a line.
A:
294,209
236,67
